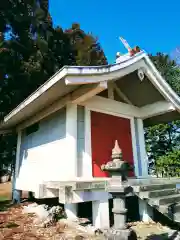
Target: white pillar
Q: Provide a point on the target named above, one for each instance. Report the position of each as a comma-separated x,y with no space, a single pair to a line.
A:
134,145
71,140
143,154
18,150
142,160
101,212
145,211
87,156
71,152
17,193
71,210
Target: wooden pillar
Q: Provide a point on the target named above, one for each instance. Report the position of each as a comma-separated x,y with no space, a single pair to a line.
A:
17,193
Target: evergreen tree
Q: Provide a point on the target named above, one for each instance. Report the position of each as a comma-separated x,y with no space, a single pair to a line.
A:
86,49
164,138
31,51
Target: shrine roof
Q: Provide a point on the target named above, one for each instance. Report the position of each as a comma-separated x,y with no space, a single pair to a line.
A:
70,78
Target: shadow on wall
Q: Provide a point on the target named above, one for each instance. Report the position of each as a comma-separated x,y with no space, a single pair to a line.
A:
163,236
51,129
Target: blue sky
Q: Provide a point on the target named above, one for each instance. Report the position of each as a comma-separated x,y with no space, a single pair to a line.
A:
153,25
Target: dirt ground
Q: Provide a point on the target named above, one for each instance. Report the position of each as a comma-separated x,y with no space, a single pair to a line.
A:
15,225
153,231
5,190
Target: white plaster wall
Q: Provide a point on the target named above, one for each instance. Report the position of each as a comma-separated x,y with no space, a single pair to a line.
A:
43,153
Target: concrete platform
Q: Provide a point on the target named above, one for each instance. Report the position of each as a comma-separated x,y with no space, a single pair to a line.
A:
74,191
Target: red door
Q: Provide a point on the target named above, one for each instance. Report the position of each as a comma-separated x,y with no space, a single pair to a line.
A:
105,129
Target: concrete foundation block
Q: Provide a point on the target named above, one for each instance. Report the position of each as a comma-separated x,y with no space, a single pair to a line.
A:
145,211
100,212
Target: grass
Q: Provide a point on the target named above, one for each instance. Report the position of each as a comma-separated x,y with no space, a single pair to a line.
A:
5,195
3,198
11,225
4,204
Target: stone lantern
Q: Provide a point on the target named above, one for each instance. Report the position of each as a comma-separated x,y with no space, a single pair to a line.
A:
118,188
117,167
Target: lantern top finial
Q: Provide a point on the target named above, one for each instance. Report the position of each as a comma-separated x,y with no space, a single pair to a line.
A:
117,167
116,149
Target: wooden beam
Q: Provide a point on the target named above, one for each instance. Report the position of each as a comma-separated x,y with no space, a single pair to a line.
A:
87,91
156,109
121,94
110,106
4,132
110,90
81,94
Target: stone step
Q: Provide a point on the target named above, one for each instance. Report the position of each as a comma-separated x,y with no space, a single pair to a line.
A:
176,217
158,193
175,198
164,209
154,187
168,208
163,193
171,213
176,207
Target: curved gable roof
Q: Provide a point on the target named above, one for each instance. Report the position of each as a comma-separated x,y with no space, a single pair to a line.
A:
68,78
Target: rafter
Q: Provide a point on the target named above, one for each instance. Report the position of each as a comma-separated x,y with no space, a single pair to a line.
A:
111,90
121,94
